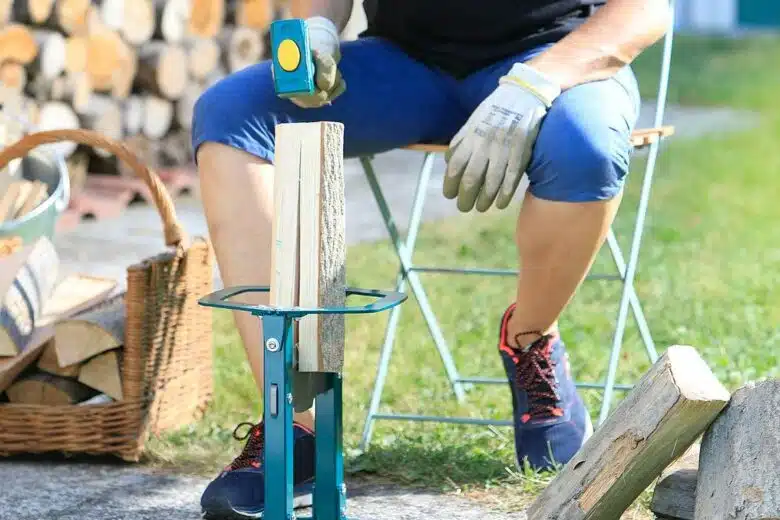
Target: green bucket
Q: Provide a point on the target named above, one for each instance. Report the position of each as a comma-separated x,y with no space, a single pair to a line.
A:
50,169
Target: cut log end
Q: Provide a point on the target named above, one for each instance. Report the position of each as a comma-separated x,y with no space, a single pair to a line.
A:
89,334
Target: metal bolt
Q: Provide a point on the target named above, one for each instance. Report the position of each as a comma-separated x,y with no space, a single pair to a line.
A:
272,345
289,398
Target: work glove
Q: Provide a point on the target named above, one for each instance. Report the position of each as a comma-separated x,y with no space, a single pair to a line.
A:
489,155
325,46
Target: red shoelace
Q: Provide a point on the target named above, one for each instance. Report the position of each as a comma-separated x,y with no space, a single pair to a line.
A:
536,375
253,450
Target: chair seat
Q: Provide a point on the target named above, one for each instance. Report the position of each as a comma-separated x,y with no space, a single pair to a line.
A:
639,139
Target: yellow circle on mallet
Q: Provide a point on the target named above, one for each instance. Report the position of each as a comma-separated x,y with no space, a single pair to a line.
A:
288,55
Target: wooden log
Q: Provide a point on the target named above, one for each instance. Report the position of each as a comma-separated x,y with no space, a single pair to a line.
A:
46,389
203,57
316,151
674,496
78,293
50,61
671,405
12,367
102,373
207,17
76,54
6,10
107,53
243,47
254,14
73,89
13,199
37,193
18,44
172,18
57,115
32,12
162,70
739,477
133,117
124,77
27,280
48,363
158,116
13,78
133,19
186,105
91,333
104,116
72,16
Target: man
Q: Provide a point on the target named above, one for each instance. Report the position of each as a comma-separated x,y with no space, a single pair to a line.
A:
535,87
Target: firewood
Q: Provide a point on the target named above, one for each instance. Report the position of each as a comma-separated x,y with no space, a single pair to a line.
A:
102,373
79,293
13,77
255,14
186,105
158,116
76,54
27,281
90,333
162,69
18,44
47,389
11,367
207,18
146,149
215,76
172,17
133,117
124,78
107,52
203,57
6,9
243,47
133,19
48,363
71,16
36,195
32,12
50,61
73,89
674,495
104,116
12,199
57,115
668,409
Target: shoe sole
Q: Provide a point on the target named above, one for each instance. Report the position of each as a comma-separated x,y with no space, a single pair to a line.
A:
299,502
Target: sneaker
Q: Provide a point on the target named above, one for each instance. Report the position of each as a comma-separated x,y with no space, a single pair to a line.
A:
551,421
238,492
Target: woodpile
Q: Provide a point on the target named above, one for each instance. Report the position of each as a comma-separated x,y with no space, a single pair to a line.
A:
129,69
61,337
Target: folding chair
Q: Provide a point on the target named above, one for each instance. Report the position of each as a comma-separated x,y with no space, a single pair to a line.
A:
409,275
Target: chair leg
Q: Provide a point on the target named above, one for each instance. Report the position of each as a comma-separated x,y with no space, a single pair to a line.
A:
404,252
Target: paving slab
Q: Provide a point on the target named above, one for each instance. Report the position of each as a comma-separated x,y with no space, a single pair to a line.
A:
82,491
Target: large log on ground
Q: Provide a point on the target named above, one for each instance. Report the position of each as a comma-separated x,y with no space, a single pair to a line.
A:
207,18
162,70
47,389
674,496
32,12
91,333
27,280
739,465
18,44
670,406
316,150
242,47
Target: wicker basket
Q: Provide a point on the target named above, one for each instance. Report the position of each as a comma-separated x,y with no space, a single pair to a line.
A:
167,355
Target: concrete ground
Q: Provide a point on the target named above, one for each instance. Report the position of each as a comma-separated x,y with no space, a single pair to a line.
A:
75,491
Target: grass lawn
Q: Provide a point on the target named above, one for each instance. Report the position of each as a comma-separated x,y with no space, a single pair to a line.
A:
710,263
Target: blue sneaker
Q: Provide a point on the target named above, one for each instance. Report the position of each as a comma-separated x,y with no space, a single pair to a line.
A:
551,421
238,493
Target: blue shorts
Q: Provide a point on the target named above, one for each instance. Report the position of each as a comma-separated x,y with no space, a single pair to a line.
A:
581,154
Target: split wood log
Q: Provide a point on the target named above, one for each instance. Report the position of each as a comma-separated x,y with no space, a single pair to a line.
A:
107,52
48,363
104,116
13,78
57,115
255,14
243,47
203,55
27,280
18,44
319,147
207,17
158,116
674,496
739,477
133,116
172,18
185,106
72,17
32,12
46,389
659,419
90,333
11,367
102,373
162,69
37,193
78,293
13,198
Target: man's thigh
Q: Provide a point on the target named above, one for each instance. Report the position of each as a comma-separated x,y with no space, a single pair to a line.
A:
390,101
583,148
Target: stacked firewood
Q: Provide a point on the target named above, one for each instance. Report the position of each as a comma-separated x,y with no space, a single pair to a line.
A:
129,69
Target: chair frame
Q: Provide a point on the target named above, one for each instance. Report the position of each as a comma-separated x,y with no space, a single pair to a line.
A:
409,275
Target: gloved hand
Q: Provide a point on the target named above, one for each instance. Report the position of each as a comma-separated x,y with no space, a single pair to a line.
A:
325,45
488,156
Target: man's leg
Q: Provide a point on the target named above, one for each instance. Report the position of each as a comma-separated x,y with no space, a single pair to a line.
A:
575,177
390,101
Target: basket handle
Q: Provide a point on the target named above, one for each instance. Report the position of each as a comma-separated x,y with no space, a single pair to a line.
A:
174,233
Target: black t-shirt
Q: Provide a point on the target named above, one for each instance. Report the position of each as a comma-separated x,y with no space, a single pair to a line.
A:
463,36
